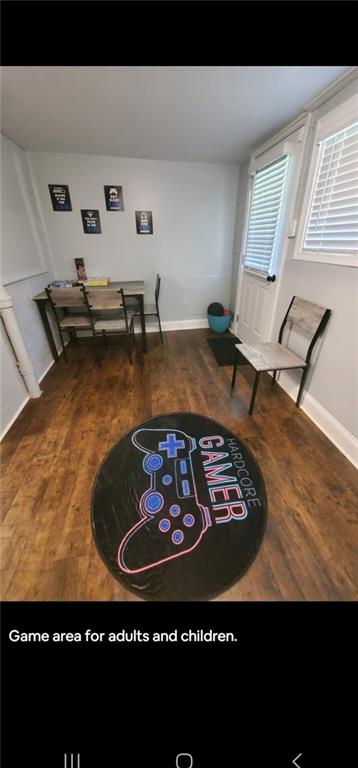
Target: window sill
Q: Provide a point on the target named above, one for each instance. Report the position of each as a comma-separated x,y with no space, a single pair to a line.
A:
328,258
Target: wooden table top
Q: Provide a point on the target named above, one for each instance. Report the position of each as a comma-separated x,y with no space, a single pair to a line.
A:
130,288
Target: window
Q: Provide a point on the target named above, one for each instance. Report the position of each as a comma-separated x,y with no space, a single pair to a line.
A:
333,218
265,214
329,226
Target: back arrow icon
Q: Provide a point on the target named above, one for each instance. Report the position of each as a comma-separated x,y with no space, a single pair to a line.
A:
295,760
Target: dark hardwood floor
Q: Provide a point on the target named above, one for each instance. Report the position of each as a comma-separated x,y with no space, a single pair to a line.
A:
51,454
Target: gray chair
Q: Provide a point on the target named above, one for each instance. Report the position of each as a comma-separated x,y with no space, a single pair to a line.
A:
62,300
151,310
311,319
108,315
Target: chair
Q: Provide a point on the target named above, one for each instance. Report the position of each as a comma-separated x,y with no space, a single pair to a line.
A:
311,319
64,299
108,314
151,310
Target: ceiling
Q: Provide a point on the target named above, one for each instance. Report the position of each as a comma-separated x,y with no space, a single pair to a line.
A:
202,114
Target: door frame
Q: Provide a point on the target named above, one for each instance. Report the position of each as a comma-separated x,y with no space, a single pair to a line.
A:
301,128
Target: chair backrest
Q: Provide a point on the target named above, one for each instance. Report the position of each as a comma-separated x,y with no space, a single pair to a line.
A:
104,298
305,315
157,289
66,297
308,317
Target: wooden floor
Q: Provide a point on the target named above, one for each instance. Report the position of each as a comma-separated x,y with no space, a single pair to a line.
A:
52,452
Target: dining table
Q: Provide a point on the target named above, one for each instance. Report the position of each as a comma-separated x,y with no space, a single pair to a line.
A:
133,289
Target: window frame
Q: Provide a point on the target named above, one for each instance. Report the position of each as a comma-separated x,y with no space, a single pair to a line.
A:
332,122
282,149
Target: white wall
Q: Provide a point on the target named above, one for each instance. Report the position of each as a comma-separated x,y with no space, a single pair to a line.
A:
193,207
333,382
22,241
239,228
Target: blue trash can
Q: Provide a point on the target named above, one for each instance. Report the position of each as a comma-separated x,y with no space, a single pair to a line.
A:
219,324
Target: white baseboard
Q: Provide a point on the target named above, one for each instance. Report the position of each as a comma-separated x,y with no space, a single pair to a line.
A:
173,325
51,363
328,424
14,417
167,325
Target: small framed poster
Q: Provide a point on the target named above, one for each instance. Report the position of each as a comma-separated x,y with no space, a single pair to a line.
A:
91,222
144,222
60,197
114,198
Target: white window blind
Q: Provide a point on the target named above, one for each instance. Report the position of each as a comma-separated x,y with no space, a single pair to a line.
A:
264,218
332,223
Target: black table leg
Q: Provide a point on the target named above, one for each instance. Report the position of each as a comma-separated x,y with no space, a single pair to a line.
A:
43,314
140,299
234,372
256,382
302,383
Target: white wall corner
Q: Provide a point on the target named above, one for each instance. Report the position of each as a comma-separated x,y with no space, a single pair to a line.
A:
331,90
14,417
17,414
51,363
328,424
34,183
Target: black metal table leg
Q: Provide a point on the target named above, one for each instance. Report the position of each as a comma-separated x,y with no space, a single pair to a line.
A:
252,402
302,383
234,373
140,299
43,314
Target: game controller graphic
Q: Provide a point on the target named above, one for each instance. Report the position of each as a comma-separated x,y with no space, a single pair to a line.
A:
172,520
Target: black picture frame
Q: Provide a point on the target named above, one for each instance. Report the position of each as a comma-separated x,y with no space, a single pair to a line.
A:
144,222
114,197
91,221
60,197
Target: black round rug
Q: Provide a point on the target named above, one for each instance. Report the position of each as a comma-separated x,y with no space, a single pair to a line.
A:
179,508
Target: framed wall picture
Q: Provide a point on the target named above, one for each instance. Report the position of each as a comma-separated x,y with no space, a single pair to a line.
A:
144,222
91,222
114,198
60,197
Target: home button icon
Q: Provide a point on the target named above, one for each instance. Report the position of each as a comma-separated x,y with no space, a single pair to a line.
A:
184,760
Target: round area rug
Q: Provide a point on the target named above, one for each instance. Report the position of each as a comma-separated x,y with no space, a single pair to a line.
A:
179,508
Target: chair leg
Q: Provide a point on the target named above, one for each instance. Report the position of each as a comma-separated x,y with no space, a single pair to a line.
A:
64,347
131,328
252,402
95,349
129,349
160,329
105,342
302,383
132,334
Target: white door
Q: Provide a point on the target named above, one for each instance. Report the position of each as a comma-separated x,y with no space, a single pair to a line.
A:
255,309
257,292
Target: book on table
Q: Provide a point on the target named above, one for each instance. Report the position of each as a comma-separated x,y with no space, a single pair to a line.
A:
62,284
93,281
